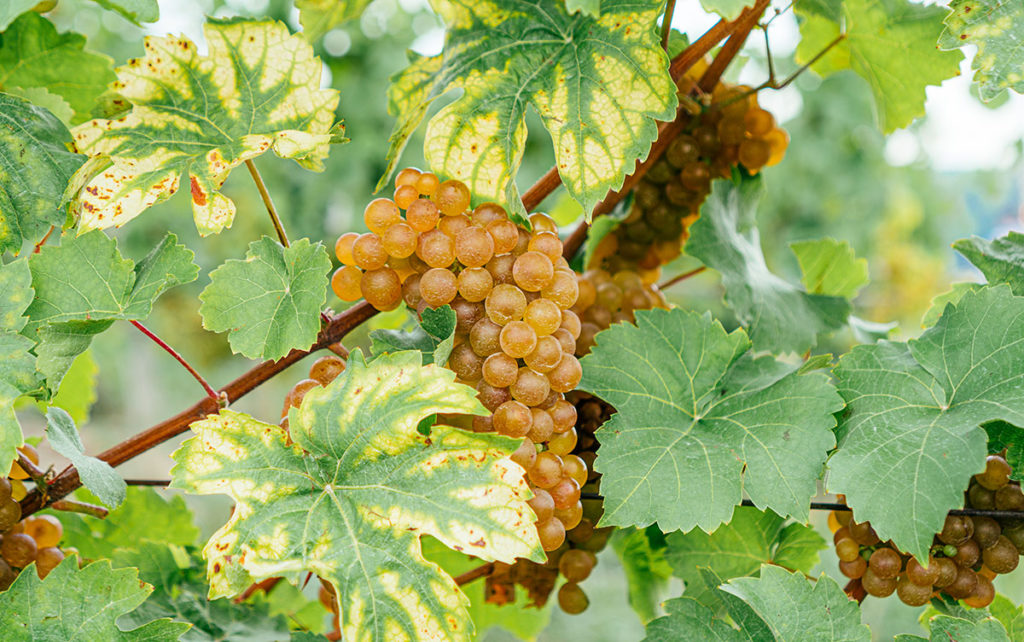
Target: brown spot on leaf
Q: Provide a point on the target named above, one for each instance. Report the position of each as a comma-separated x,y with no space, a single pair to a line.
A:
479,543
198,195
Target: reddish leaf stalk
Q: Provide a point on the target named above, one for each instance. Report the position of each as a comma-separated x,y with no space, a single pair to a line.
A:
180,359
43,240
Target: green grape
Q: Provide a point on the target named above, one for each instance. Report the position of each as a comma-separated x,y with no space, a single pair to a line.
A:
855,569
438,287
531,388
382,288
490,396
436,249
847,550
422,215
380,214
551,533
505,235
545,355
570,517
475,284
566,375
563,290
484,337
563,415
532,271
369,253
565,493
563,443
542,427
525,455
547,243
452,197
505,303
466,364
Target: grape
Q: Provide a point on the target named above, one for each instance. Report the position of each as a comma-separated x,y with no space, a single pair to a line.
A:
517,339
572,599
545,355
47,559
46,530
532,271
452,197
505,303
996,473
563,415
986,531
407,176
551,533
438,287
913,594
435,249
7,575
427,183
758,122
885,563
841,533
345,283
298,392
368,252
921,575
474,247
546,471
682,150
490,396
326,369
877,586
566,375
964,585
947,571
968,552
500,370
530,387
30,454
485,213
695,176
778,140
380,214
573,466
484,337
565,340
571,323
1016,535
466,315
542,504
980,497
513,419
854,569
983,594
405,195
544,316
483,423
18,490
542,427
1010,497
543,223
10,513
754,153
956,530
525,455
466,364
452,226
475,284
343,248
565,493
547,243
422,215
563,443
576,564
609,295
505,235
1001,557
381,288
847,550
18,549
399,240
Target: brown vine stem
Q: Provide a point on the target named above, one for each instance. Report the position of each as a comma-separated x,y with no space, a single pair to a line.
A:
177,357
72,506
475,574
682,277
265,195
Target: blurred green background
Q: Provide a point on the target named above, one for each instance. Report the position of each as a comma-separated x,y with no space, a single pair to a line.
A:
899,201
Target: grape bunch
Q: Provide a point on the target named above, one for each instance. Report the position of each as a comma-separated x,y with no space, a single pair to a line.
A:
732,131
964,558
605,299
23,541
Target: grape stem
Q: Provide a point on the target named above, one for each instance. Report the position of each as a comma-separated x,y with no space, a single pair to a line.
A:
474,574
666,23
682,277
265,195
73,506
210,392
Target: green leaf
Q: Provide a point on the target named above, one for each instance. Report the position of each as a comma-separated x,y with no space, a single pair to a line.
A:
599,84
35,166
1010,615
17,366
728,9
739,548
320,16
995,27
33,54
257,89
79,604
1001,260
41,97
914,410
646,570
940,301
433,336
144,514
179,593
348,490
889,43
137,11
98,476
701,421
61,344
779,316
944,628
687,620
830,267
77,392
269,302
588,7
14,8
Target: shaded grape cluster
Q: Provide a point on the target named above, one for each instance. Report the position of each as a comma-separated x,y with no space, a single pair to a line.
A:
23,541
964,558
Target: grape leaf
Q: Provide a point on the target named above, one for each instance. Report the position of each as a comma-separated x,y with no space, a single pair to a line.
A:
700,421
33,54
74,604
779,316
35,166
137,11
11,9
349,498
77,392
257,89
1010,615
598,83
60,344
269,302
433,336
1001,260
830,267
17,367
914,410
320,16
995,26
943,628
939,302
728,9
739,548
97,475
645,567
777,605
179,593
145,514
41,97
889,43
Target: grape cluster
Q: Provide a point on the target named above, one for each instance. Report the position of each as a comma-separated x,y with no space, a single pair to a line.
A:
23,541
605,299
733,131
964,558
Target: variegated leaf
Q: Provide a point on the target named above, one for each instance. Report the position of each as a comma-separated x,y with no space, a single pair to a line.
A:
257,89
348,491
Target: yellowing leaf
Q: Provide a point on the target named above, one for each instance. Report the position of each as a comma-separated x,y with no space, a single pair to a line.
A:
598,82
320,16
258,89
996,27
347,496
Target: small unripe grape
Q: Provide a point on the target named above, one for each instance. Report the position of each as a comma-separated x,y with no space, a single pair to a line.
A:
530,387
422,215
19,549
326,369
505,303
541,222
885,563
406,195
513,419
913,594
452,197
427,183
542,427
451,226
545,355
47,559
407,176
542,504
563,443
517,339
546,471
436,249
566,375
491,397
525,455
345,283
46,530
551,534
474,247
475,284
381,288
369,253
343,248
572,599
500,370
484,337
877,586
438,287
532,271
399,240
505,235
465,363
570,517
380,214
573,466
563,415
576,564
